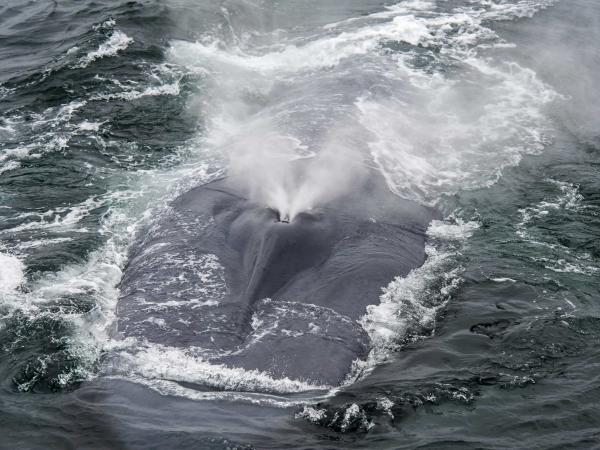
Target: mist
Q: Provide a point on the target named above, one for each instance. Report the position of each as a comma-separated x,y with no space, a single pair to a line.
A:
566,57
279,172
291,142
298,125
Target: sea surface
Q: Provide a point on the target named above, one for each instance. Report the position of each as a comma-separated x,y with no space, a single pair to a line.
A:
488,111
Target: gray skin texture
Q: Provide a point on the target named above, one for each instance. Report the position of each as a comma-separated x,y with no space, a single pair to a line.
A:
283,298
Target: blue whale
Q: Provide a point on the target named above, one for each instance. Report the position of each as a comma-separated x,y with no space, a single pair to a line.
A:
224,275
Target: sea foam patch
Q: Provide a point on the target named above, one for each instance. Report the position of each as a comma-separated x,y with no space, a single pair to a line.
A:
118,41
409,305
182,365
11,272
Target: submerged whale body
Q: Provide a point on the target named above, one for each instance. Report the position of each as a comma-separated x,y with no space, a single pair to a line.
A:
223,275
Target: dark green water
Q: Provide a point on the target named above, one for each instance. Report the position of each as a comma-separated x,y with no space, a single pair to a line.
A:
488,110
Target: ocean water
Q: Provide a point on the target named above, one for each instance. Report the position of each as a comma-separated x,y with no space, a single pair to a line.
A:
485,110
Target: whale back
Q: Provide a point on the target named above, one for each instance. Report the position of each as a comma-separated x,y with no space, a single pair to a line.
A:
221,274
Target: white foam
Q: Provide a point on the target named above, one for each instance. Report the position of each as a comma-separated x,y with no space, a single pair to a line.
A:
312,414
163,79
514,10
60,219
569,199
52,131
562,258
7,128
320,53
118,41
504,280
12,273
176,364
108,24
132,94
5,92
352,414
295,319
10,165
410,304
90,126
42,243
454,230
97,278
563,266
171,388
389,12
385,404
16,153
433,146
413,22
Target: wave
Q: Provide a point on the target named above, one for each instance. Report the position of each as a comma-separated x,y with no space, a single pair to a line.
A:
11,272
117,42
182,365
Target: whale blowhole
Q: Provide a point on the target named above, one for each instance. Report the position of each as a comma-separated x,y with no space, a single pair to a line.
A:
282,217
